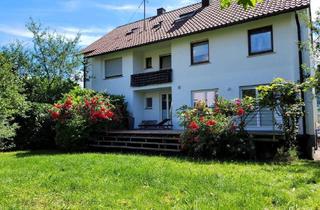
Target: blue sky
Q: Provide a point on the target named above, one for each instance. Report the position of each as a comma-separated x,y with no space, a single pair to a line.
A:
92,18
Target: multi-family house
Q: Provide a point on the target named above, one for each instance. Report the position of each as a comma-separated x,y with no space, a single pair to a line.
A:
201,51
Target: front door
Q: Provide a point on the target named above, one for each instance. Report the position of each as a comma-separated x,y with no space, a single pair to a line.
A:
166,111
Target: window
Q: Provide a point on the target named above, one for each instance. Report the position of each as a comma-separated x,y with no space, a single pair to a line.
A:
148,63
264,117
113,68
260,40
200,52
209,96
185,16
165,62
149,103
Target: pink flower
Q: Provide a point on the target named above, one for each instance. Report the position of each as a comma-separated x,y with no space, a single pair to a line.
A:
238,102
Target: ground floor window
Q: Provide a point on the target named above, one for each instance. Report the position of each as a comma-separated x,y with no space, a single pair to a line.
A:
148,103
209,96
264,117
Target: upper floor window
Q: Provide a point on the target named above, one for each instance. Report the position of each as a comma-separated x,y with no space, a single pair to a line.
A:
113,68
260,40
200,52
208,96
165,62
148,63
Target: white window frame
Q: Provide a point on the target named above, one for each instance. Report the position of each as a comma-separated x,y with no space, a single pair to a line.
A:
215,90
106,70
146,103
241,96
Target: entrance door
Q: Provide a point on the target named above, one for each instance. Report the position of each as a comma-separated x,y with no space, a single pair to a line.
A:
166,111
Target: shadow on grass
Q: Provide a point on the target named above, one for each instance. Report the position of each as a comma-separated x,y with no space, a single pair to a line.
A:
304,165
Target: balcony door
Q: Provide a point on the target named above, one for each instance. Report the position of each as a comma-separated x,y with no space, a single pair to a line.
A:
165,62
166,111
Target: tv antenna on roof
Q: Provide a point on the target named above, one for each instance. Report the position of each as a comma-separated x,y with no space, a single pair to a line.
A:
144,15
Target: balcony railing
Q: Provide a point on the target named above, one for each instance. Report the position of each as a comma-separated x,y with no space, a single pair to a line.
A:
151,78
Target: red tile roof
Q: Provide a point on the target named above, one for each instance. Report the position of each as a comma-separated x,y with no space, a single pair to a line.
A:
207,18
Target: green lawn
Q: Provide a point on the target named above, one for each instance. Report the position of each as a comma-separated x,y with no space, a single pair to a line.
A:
121,181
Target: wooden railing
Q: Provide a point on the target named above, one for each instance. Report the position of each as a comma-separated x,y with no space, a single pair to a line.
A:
151,78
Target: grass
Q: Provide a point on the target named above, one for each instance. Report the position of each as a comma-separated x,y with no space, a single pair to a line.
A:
48,180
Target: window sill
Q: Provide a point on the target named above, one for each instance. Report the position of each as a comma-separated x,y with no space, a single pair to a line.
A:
148,108
113,77
200,63
261,54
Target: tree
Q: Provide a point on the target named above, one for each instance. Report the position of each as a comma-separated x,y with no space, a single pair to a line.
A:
49,66
12,102
244,3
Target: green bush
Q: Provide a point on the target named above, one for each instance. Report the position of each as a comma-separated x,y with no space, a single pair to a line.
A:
218,131
12,103
78,115
36,128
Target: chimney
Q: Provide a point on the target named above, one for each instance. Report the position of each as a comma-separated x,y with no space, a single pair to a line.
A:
160,11
205,3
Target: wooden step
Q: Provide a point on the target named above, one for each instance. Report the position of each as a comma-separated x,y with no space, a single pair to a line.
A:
136,148
137,142
161,141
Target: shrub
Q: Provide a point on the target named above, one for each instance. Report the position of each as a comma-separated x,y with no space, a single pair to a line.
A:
36,128
211,132
12,103
77,115
284,97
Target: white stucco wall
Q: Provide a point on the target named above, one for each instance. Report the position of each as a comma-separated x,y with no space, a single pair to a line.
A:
230,66
229,69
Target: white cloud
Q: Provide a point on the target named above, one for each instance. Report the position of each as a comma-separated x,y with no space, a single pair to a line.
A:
71,5
125,7
15,31
180,3
88,35
91,30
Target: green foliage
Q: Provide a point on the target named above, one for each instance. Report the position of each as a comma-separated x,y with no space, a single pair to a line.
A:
244,3
36,128
41,90
48,68
73,133
12,102
53,55
77,115
284,97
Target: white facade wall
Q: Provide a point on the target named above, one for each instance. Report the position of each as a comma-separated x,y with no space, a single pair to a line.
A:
229,68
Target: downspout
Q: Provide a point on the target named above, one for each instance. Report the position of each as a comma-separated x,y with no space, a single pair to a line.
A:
84,71
301,73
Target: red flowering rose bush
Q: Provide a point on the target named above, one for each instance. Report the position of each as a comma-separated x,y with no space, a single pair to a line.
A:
218,131
78,114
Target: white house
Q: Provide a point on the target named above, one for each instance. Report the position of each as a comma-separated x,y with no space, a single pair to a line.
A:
201,51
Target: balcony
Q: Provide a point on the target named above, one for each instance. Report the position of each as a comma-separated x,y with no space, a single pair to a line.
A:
151,78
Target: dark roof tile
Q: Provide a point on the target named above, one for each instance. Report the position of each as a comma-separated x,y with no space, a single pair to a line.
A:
207,18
